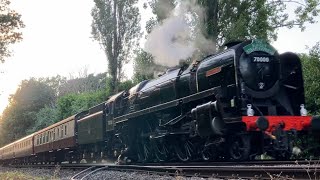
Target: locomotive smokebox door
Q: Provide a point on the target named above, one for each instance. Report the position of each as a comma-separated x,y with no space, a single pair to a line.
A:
259,68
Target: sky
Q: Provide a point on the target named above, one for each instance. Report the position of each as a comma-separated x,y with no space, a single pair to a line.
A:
57,40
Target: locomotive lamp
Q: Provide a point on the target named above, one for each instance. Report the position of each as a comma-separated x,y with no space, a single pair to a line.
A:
250,111
303,110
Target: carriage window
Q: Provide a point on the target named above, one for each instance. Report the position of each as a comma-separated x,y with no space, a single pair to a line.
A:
65,129
54,135
43,138
58,132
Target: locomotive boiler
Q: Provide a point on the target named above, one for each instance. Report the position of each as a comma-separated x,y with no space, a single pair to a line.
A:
245,101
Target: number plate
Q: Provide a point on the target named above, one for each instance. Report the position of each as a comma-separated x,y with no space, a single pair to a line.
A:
261,59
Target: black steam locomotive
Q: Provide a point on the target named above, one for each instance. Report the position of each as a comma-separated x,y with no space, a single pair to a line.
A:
234,105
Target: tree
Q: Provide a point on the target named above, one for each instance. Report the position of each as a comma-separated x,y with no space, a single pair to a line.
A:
44,118
244,19
75,103
162,9
116,26
10,23
90,83
311,74
20,115
223,21
144,66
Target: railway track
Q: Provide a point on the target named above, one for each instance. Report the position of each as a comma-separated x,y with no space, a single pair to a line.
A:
246,170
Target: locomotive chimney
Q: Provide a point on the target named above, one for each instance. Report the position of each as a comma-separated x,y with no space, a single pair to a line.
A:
232,43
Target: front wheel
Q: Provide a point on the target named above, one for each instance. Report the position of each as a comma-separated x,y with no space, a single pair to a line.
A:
284,154
239,147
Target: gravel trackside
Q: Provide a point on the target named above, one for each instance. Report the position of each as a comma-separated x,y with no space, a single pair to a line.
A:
64,174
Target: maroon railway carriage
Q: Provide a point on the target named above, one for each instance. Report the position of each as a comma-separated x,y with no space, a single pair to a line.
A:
7,153
55,142
17,152
23,149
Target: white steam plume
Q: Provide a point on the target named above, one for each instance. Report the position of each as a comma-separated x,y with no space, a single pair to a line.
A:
179,36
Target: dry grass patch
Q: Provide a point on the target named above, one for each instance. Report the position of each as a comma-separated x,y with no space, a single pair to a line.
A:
15,175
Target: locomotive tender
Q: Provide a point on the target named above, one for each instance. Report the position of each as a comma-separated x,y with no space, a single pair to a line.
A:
234,105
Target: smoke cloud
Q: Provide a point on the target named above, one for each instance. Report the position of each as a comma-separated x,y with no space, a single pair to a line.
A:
178,37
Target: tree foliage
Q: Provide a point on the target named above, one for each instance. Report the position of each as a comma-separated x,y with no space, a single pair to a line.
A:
244,19
41,102
74,103
31,96
89,83
224,21
44,118
143,65
162,9
116,26
10,24
311,73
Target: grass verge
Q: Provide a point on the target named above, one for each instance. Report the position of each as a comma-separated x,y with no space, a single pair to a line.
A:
15,175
